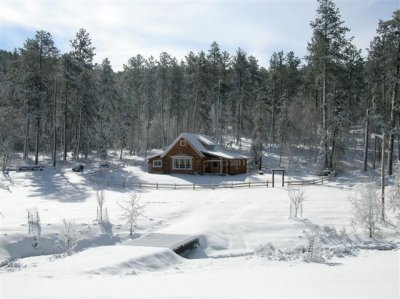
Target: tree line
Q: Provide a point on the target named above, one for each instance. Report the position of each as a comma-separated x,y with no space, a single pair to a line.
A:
65,104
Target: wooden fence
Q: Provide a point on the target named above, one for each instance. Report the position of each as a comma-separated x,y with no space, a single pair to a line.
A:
180,186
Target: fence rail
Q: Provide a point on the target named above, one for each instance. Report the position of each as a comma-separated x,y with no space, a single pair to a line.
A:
180,186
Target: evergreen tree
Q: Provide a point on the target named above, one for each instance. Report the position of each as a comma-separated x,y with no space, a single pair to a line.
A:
85,102
326,56
38,60
384,73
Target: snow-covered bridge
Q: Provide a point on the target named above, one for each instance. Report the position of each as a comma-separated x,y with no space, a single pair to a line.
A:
175,242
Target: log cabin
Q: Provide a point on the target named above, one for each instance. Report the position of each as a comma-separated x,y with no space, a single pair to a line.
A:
196,154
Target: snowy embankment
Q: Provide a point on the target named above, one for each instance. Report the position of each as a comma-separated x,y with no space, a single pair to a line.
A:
245,235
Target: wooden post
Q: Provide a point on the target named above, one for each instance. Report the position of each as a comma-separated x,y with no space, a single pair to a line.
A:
157,185
283,178
194,187
273,179
249,184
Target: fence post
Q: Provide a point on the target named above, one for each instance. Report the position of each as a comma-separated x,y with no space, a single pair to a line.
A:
123,183
313,181
157,185
194,187
267,183
140,185
231,185
175,186
322,180
249,184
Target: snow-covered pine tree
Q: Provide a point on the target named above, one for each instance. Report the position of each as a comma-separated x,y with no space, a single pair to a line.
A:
326,53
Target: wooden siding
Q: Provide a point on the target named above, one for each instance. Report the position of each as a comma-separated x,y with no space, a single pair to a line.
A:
178,150
236,169
200,165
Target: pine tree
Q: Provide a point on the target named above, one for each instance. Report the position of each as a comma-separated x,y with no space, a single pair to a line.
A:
84,104
38,60
384,73
107,106
326,56
241,86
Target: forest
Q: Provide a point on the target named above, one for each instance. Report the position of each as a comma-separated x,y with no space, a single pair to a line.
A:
67,106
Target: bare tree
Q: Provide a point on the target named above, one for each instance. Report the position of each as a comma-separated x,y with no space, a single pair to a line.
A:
100,202
69,235
367,208
297,197
35,228
132,210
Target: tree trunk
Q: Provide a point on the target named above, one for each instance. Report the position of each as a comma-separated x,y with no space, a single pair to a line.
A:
55,124
272,133
79,135
324,112
37,140
5,156
65,125
147,129
217,112
138,126
332,151
240,123
366,140
162,111
392,110
374,156
26,141
194,112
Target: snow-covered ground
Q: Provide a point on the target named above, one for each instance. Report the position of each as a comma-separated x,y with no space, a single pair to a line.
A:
249,247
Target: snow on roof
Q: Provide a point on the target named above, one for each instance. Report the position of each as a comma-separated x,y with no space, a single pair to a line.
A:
153,156
204,146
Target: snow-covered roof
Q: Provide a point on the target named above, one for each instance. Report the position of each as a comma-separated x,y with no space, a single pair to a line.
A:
204,145
153,156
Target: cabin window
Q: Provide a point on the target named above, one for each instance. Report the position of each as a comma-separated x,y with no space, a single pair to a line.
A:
157,163
183,143
182,163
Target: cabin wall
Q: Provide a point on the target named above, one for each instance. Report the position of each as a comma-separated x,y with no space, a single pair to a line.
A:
187,150
152,169
236,169
198,165
178,150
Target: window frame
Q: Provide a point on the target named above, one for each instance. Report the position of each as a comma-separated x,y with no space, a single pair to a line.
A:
156,161
178,162
182,142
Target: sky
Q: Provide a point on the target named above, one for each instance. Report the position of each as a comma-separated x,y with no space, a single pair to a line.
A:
121,29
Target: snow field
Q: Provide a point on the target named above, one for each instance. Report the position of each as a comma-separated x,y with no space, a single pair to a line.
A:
234,225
